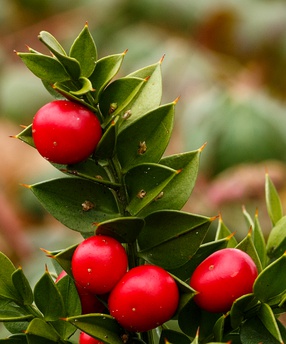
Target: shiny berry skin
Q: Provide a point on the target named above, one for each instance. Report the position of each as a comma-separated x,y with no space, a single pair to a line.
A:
98,263
223,277
145,297
65,132
85,338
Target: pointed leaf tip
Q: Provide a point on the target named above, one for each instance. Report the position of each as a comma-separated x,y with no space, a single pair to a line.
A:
202,147
26,185
162,59
176,100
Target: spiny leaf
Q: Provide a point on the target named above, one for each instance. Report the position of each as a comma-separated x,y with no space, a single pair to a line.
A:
64,199
45,67
146,139
273,202
170,238
144,182
84,51
106,68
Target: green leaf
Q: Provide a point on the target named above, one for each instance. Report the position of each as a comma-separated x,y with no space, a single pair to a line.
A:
103,327
48,298
45,67
13,315
271,283
144,183
171,237
64,199
146,139
259,241
106,146
218,328
7,289
268,319
72,306
22,286
63,257
120,92
185,271
276,243
253,331
247,246
273,202
84,51
123,229
223,232
106,68
26,136
150,95
71,65
40,328
89,169
174,337
15,339
85,86
177,192
240,307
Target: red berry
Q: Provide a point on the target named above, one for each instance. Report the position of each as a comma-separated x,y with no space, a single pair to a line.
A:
65,132
223,277
98,263
85,338
145,297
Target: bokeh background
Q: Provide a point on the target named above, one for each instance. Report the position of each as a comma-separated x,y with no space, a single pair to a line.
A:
226,60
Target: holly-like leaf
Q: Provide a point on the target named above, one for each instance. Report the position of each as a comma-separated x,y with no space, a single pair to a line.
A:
65,198
185,271
247,246
144,182
103,327
7,288
174,337
240,307
63,257
71,65
276,243
45,67
178,191
270,285
40,328
265,314
259,241
89,169
84,51
146,139
84,86
223,232
150,95
106,147
169,238
123,229
273,202
253,331
48,298
72,306
106,68
22,286
15,339
118,96
26,136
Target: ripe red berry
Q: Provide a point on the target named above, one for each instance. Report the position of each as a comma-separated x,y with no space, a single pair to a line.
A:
65,132
98,263
145,297
223,277
85,338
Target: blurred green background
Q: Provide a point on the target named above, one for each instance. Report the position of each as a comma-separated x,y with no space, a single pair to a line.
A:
224,58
